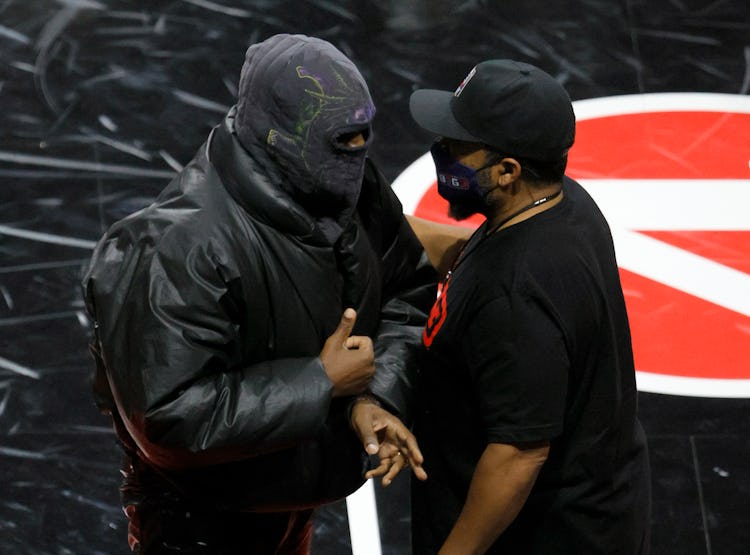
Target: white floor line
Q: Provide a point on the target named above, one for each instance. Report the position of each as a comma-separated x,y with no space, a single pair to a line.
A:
363,521
47,237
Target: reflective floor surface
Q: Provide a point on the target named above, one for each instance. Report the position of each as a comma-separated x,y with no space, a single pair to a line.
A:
104,100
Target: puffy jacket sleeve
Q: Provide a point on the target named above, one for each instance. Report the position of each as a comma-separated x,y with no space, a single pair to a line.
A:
409,286
170,342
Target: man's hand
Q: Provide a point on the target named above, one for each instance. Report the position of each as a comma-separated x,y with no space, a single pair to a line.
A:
348,360
385,435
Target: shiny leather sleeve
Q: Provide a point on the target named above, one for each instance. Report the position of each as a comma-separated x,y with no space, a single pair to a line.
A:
171,348
409,285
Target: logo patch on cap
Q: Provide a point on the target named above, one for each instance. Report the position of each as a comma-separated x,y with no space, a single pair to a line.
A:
465,82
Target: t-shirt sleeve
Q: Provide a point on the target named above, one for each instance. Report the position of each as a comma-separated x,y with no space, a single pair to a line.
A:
519,369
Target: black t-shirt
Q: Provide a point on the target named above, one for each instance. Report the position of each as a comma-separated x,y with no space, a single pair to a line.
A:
529,341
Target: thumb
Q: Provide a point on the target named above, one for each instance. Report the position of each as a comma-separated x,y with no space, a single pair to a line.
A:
370,441
346,325
369,435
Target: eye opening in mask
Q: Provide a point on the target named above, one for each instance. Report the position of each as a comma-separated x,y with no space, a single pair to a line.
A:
352,139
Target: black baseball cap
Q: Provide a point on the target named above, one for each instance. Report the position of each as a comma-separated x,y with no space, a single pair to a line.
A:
513,107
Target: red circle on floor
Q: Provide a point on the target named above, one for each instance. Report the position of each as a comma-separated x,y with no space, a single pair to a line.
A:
684,342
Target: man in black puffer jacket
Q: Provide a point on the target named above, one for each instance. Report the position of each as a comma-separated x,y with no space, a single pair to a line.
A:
227,350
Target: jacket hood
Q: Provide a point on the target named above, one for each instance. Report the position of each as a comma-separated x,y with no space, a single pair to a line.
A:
297,96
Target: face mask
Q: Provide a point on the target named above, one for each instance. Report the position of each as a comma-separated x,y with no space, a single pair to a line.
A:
458,183
297,97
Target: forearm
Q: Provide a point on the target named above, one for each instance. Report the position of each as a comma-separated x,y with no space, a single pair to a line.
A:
396,347
441,242
232,415
499,488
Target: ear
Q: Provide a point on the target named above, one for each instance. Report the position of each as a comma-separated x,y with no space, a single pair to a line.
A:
510,171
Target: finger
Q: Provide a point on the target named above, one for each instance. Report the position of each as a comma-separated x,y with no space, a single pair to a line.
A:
413,457
419,472
361,342
399,435
415,461
381,469
386,453
346,324
387,450
412,451
398,463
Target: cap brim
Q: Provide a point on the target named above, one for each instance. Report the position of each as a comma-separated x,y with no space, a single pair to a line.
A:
431,109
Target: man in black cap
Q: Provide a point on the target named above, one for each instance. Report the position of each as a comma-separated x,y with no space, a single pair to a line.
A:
234,317
527,397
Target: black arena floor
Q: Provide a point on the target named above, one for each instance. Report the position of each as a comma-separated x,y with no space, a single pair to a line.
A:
102,101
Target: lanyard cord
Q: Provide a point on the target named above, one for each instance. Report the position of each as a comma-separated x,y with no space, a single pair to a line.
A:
524,209
461,257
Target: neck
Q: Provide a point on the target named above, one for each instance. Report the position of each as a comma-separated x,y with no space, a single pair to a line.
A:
543,200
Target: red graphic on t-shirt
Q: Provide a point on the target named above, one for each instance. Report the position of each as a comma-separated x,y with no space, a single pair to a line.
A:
437,314
690,329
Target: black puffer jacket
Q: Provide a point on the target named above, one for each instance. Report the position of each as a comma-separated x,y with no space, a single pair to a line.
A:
211,307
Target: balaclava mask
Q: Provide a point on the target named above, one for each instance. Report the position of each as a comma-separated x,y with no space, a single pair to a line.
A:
297,97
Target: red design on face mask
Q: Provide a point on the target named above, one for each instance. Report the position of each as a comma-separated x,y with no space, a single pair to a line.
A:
437,314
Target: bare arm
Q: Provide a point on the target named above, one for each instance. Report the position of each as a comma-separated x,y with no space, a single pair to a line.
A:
441,242
501,484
